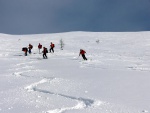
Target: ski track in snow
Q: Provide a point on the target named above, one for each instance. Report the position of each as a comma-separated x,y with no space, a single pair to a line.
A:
24,66
82,103
23,69
102,65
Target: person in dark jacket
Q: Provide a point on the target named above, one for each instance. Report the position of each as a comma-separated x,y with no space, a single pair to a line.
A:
25,49
30,47
82,52
44,52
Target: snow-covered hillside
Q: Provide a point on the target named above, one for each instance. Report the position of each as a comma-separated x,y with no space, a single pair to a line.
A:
114,79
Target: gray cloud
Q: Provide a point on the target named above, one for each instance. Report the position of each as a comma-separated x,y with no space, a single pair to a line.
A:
50,16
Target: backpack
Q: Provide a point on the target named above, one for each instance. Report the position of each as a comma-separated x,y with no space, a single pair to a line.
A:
46,50
52,45
24,49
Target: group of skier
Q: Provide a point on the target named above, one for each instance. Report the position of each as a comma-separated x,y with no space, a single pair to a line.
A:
45,51
25,49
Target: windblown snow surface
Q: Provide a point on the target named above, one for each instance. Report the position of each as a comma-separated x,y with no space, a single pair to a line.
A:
114,79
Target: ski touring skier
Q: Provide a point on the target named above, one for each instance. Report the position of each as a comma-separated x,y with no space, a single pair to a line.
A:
39,47
52,47
82,52
25,49
44,52
30,47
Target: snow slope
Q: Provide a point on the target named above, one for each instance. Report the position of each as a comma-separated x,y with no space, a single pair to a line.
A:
115,79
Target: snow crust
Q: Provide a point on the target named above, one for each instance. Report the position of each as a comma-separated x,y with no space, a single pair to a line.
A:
114,79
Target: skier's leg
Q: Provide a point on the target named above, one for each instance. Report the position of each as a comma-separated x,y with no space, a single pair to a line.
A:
84,57
25,53
53,50
30,51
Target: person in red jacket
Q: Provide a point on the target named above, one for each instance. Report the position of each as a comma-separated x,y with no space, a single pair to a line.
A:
82,52
39,47
52,47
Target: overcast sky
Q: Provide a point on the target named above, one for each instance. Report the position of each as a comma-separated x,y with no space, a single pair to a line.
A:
53,16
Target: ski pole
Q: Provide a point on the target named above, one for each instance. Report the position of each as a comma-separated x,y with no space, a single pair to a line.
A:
78,56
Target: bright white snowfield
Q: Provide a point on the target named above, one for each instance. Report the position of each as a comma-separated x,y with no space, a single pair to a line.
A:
114,79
